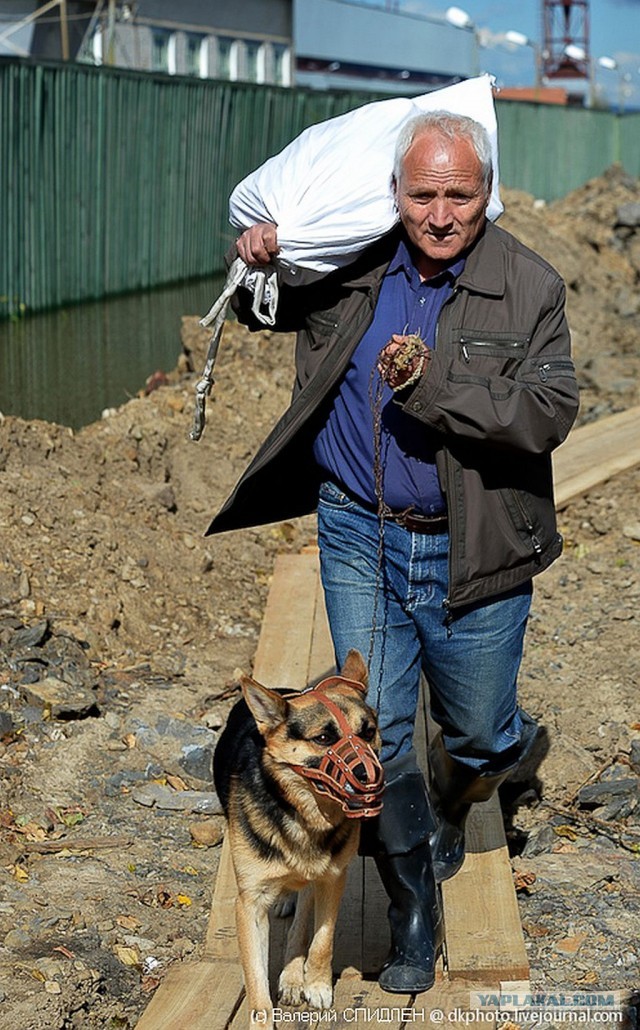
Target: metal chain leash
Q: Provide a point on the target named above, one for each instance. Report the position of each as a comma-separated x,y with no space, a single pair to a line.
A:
376,391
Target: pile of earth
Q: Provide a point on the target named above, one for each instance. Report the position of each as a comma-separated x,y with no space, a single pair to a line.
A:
121,627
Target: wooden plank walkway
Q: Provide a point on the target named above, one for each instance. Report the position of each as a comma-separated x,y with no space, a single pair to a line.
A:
594,453
484,946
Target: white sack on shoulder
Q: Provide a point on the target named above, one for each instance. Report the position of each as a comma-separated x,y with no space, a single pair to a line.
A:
329,191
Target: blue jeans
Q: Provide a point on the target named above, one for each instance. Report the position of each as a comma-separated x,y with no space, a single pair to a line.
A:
471,664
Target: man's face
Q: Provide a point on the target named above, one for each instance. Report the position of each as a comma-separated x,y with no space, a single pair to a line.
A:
441,198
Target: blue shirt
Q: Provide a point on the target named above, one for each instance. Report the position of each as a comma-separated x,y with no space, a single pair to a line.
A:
344,447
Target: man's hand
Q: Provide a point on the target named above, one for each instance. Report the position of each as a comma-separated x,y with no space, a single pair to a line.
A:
403,360
259,244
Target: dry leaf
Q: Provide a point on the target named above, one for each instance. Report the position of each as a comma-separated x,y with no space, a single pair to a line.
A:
164,898
589,978
536,929
176,782
522,879
149,984
128,956
571,945
129,740
566,831
32,831
21,874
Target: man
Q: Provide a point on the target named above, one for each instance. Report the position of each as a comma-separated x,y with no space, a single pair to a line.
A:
434,378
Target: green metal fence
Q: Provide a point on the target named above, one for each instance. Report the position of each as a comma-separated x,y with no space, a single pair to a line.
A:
113,181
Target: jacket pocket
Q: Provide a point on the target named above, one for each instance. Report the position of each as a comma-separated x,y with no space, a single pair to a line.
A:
477,345
320,328
529,533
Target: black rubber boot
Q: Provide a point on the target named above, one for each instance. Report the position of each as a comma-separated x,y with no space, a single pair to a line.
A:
456,788
398,839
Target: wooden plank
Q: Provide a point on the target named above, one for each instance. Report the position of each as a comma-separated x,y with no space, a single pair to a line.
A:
282,655
221,942
484,935
194,995
594,453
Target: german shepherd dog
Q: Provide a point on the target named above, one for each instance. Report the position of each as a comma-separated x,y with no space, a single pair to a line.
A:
295,773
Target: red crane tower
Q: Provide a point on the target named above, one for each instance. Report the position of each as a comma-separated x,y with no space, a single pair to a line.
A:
566,27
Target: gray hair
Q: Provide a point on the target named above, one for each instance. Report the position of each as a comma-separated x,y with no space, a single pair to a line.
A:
452,126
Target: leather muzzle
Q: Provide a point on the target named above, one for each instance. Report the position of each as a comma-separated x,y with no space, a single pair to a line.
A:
350,772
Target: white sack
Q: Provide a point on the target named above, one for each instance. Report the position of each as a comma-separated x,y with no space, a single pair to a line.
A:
329,191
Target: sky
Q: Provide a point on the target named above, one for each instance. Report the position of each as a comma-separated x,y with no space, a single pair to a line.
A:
615,33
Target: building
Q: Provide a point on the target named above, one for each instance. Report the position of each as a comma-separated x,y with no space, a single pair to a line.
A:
345,45
337,44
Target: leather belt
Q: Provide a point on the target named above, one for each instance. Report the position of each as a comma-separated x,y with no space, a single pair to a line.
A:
415,523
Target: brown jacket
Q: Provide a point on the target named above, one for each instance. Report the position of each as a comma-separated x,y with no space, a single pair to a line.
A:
500,394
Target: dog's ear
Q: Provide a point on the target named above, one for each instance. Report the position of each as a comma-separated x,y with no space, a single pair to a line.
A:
268,708
355,669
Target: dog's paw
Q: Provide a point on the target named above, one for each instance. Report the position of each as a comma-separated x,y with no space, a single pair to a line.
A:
319,995
290,992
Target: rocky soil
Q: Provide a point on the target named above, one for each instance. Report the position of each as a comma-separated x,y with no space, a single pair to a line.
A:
121,626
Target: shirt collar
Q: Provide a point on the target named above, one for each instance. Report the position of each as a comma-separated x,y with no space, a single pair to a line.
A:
402,261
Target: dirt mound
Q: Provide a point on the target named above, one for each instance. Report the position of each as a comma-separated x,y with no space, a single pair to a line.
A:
121,627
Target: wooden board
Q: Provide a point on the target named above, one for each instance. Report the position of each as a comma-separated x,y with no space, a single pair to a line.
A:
194,996
483,931
594,453
484,941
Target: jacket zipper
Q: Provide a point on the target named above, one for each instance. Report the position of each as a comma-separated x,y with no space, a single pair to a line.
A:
535,542
446,604
550,366
465,343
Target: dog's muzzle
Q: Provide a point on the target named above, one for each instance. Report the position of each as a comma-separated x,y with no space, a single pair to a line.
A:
350,771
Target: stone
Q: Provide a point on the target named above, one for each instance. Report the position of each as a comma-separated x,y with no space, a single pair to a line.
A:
17,940
62,699
627,303
179,745
596,794
198,762
209,832
30,636
6,723
158,796
631,531
167,499
629,214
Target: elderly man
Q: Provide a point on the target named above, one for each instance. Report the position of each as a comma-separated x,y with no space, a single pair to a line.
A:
433,380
